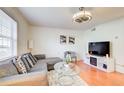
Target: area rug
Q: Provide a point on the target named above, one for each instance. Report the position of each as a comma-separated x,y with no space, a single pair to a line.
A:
56,79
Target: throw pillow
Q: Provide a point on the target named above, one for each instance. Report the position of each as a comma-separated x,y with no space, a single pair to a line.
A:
33,57
26,63
19,65
29,61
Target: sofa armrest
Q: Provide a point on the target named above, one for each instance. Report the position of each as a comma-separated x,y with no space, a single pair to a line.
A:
40,56
29,79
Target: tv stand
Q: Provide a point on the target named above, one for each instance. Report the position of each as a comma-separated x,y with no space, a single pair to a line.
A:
103,63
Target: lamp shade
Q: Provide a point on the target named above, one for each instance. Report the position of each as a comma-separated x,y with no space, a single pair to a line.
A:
30,44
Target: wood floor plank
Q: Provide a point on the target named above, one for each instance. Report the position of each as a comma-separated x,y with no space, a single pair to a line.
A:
96,77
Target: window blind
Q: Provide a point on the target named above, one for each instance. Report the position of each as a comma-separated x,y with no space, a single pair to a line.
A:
8,36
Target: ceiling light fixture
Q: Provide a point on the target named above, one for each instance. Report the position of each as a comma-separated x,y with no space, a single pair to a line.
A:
82,16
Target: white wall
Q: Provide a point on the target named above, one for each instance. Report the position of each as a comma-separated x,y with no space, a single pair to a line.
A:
113,32
23,29
47,41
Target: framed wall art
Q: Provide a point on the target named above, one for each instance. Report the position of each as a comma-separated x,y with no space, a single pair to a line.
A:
71,40
63,39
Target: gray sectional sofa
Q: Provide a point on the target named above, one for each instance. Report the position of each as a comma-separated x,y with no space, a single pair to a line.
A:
37,75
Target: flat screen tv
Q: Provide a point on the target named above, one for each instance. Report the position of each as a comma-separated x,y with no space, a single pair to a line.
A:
99,48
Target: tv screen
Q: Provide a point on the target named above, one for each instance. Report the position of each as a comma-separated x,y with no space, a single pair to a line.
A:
99,48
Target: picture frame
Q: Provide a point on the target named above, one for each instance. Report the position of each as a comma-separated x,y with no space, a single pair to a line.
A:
71,40
63,39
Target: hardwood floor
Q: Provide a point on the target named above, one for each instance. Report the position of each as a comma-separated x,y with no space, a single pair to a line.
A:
95,77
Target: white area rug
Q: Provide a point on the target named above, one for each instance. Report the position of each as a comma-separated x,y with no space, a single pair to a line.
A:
56,79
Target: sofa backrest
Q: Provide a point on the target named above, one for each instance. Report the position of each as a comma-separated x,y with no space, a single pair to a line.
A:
7,68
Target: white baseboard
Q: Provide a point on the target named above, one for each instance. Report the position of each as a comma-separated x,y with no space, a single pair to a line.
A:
119,68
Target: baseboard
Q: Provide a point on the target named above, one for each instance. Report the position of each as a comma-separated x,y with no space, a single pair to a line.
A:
119,68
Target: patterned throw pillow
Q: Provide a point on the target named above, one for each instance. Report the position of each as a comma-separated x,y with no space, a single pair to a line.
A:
29,61
33,57
19,65
26,63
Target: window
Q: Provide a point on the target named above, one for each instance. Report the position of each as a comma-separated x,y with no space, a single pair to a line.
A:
8,36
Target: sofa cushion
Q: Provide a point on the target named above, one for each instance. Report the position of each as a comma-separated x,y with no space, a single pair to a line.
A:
40,56
21,68
39,66
7,68
52,60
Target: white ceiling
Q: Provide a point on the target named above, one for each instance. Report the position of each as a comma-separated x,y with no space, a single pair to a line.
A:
61,17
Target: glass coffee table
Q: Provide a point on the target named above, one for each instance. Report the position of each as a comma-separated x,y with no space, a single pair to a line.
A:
62,68
65,75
